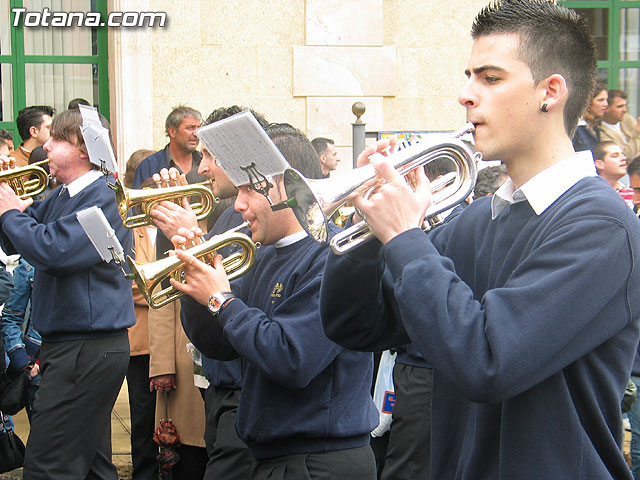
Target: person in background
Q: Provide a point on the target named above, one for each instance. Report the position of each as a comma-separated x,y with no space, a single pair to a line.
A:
22,348
618,126
489,180
73,104
588,131
327,154
6,142
611,165
633,170
142,400
34,125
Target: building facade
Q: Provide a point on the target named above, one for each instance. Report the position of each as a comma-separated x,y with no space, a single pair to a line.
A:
303,62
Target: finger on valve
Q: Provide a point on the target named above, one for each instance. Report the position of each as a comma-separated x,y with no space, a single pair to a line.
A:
157,180
209,256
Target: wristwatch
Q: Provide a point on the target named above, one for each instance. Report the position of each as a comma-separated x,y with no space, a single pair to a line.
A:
218,301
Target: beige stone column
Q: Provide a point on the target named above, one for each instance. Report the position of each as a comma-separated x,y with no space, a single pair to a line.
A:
130,84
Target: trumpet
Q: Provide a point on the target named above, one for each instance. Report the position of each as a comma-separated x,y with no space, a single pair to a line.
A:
27,181
146,198
315,201
149,275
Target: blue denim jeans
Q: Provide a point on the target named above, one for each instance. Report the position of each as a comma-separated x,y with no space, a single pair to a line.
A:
14,314
634,420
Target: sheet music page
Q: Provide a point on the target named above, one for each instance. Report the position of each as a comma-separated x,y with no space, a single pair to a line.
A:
102,235
96,138
239,141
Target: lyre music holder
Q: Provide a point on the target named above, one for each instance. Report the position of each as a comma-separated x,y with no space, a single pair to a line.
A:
245,152
257,181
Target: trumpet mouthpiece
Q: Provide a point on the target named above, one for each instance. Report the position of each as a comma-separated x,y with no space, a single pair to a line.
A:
468,128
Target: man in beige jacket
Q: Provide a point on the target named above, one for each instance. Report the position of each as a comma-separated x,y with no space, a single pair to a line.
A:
620,127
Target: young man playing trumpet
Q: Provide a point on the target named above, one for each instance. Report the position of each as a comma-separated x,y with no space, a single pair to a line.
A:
228,456
81,306
307,409
525,303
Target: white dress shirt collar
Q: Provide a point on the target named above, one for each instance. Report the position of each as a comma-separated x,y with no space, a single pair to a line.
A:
547,186
83,181
290,239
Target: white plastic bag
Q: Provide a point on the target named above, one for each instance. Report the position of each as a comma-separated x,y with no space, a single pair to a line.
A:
384,395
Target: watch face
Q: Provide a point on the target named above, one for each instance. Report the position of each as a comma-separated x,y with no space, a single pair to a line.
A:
214,304
217,300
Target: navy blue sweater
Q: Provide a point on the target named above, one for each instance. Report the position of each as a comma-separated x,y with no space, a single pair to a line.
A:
228,373
301,392
76,295
530,322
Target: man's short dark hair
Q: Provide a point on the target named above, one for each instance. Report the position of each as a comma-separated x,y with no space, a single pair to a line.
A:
224,112
633,168
32,117
553,39
76,102
296,148
600,150
178,114
613,94
320,144
489,180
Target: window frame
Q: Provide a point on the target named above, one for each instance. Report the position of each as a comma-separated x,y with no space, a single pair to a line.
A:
613,64
18,61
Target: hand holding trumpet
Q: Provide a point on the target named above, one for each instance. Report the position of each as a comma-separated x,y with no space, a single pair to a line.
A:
169,216
394,207
8,199
200,279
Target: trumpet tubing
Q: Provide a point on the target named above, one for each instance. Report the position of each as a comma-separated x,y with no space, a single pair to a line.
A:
146,198
315,201
149,275
27,181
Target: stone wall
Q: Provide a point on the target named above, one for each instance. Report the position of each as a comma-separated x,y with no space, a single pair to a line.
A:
304,62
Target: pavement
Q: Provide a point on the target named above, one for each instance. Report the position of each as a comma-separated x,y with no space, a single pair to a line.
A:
120,436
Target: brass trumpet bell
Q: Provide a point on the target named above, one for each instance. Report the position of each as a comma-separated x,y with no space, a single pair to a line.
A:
149,275
144,199
27,181
315,201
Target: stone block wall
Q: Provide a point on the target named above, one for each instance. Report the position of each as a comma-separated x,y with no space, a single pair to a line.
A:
304,62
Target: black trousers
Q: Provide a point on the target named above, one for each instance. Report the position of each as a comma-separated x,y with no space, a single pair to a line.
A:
142,406
408,452
70,434
229,457
352,464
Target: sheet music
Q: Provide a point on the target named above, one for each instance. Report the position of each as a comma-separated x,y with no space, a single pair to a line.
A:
96,138
102,235
239,141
